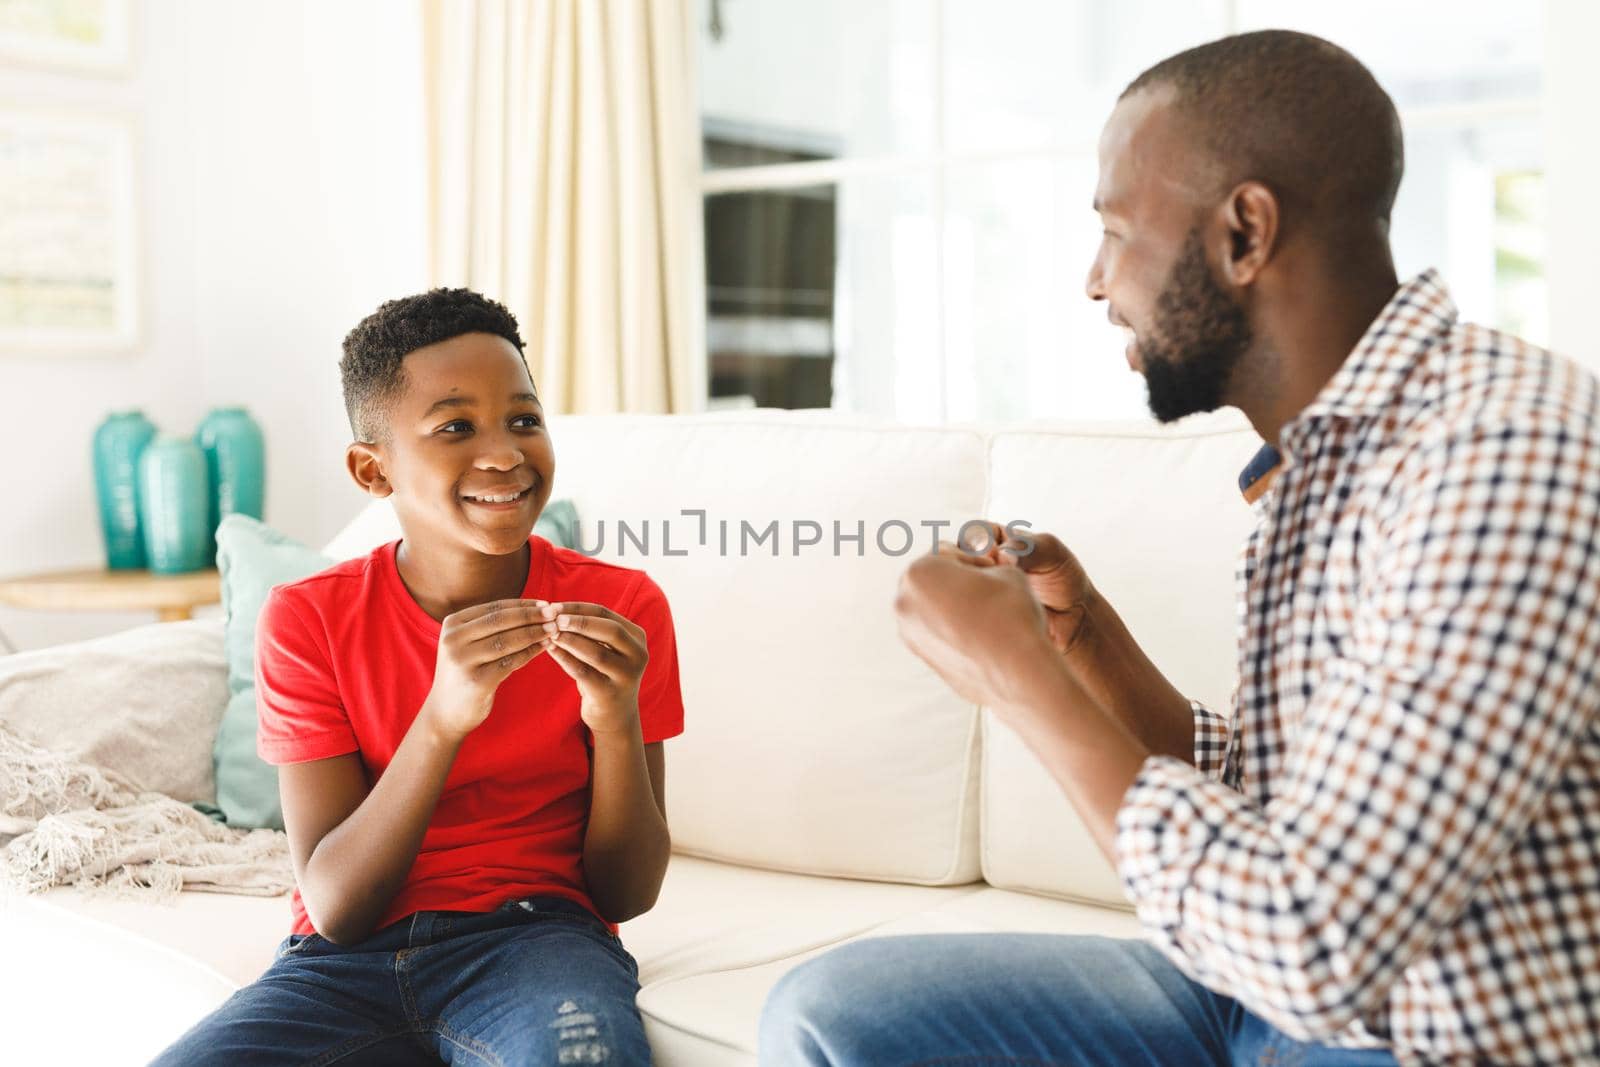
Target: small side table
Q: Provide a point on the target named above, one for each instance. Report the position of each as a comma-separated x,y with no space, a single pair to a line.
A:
173,597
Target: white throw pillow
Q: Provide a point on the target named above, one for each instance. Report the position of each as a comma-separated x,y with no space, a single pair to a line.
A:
144,703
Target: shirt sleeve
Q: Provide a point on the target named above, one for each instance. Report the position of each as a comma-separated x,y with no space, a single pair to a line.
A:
1211,737
1436,731
660,698
299,713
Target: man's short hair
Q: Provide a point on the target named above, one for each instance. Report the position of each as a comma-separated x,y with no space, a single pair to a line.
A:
371,369
1293,111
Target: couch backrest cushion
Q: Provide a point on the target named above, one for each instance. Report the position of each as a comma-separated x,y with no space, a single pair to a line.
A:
375,524
1154,513
814,741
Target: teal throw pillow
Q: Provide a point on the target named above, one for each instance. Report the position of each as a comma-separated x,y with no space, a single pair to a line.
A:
558,524
252,557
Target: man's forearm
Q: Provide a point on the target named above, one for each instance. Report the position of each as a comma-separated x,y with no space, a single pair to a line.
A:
1111,668
627,845
1092,755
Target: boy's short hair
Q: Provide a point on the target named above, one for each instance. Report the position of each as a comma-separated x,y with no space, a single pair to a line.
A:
371,370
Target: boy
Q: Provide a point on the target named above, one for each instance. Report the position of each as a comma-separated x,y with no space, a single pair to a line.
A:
470,739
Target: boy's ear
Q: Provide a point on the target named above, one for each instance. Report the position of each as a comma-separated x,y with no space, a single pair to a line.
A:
365,464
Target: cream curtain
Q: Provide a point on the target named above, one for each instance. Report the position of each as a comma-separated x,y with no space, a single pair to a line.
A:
564,164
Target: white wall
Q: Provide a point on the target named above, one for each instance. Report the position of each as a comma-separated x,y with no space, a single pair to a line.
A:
282,190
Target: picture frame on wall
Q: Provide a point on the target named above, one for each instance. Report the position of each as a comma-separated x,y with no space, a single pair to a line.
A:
88,36
68,234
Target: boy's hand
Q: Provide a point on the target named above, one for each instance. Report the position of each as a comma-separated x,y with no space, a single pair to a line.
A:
480,647
606,655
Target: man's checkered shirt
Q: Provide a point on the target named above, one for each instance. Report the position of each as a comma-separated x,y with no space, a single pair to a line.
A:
1395,836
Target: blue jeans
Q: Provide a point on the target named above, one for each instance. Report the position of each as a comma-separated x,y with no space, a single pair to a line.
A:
538,981
965,1000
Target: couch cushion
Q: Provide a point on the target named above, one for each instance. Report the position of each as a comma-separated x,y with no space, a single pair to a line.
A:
802,703
80,990
1154,514
227,933
373,525
722,936
711,918
716,916
714,945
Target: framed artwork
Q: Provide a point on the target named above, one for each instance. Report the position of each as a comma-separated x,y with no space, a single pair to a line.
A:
68,249
79,35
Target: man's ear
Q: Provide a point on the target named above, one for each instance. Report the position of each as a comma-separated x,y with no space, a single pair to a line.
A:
1250,217
365,464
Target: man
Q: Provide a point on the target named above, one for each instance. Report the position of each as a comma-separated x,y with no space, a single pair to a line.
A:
1390,851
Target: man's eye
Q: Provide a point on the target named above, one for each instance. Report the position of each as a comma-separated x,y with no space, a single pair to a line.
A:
457,422
533,420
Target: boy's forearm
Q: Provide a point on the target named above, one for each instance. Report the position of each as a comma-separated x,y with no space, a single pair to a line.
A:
1111,667
627,844
359,866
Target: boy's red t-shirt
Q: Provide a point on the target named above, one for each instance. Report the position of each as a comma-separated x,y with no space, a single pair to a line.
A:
346,657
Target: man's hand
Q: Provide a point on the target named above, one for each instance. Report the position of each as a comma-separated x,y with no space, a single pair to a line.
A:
1058,581
982,628
606,655
978,625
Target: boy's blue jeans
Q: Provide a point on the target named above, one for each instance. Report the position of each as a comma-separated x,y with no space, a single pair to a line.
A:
538,981
998,1000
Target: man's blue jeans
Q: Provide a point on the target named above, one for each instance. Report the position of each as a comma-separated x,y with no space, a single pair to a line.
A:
538,981
993,1000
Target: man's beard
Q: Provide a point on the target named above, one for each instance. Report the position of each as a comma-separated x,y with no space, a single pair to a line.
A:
1198,337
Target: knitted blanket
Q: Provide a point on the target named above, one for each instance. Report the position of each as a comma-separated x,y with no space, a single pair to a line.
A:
73,823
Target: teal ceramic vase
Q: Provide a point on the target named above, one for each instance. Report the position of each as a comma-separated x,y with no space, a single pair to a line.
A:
175,505
119,441
236,460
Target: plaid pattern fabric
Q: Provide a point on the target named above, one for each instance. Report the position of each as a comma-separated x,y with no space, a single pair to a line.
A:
1398,841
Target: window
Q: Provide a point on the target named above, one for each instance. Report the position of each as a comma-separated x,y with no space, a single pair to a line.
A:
896,193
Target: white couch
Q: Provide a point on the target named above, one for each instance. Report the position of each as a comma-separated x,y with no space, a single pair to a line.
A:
827,787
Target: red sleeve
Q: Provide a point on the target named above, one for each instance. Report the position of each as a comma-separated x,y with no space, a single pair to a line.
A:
660,700
299,715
